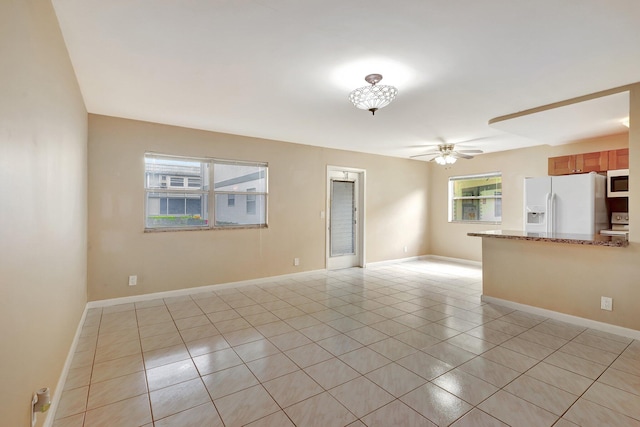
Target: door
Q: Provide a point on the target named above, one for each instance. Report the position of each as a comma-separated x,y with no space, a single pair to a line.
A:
344,243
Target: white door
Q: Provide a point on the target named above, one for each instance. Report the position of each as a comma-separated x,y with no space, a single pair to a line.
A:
344,241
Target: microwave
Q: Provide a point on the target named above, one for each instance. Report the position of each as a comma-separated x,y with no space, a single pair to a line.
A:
618,183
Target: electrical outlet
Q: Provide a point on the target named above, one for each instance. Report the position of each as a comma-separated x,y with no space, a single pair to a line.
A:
133,280
296,262
606,303
406,249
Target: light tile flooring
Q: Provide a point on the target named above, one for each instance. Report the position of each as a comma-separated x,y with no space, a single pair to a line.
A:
407,344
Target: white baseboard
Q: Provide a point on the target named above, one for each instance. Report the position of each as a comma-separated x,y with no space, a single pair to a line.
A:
57,394
425,257
395,261
196,290
456,260
555,315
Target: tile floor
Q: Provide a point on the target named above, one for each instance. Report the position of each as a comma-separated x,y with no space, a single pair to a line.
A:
407,344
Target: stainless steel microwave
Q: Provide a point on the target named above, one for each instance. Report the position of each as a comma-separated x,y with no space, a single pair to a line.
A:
618,183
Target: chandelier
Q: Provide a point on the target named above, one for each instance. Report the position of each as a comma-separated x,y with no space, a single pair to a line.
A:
373,97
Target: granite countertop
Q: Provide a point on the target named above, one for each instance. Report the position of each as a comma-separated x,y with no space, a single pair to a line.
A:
576,239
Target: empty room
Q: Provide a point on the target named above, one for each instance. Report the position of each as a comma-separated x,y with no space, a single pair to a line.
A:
276,213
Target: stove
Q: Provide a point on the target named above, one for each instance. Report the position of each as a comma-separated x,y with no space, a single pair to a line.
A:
619,225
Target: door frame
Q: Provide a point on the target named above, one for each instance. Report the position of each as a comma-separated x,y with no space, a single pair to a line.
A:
360,213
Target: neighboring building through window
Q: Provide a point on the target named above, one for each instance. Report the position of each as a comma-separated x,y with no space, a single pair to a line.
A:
236,180
251,201
172,198
476,198
181,193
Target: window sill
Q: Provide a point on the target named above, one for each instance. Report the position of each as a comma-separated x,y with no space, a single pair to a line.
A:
477,222
239,227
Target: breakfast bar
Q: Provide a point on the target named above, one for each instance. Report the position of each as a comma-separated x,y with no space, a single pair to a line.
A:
576,239
562,273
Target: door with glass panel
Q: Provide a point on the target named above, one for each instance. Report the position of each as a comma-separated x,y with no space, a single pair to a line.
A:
344,228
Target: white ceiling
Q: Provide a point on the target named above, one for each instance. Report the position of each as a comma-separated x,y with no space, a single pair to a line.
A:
282,69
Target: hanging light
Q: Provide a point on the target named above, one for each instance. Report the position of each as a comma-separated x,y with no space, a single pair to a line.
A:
373,97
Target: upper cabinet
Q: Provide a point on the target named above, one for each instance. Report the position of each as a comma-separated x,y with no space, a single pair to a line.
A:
580,163
619,159
563,165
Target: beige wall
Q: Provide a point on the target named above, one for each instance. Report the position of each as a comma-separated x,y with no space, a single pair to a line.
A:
450,239
396,210
43,134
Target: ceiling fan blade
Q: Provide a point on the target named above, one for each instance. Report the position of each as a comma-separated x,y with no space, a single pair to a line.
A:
470,151
429,153
425,154
461,155
473,140
423,146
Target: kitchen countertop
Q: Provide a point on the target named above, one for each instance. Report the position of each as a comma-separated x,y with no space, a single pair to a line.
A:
576,239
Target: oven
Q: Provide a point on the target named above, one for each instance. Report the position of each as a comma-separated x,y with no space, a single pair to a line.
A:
619,225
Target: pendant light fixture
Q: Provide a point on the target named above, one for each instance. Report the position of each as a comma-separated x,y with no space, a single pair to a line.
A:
373,97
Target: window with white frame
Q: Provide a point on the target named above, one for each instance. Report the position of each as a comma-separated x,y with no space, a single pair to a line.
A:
246,184
183,192
476,198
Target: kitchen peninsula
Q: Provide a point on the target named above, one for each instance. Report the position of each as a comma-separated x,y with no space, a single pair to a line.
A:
565,274
576,239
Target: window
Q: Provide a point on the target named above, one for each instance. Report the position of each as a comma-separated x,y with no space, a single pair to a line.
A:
476,198
246,184
181,192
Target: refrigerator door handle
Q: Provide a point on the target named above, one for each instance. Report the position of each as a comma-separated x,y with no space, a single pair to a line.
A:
552,211
548,220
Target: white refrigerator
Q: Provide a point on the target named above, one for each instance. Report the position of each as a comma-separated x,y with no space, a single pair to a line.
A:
569,204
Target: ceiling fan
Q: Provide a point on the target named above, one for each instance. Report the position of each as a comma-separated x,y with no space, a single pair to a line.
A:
447,154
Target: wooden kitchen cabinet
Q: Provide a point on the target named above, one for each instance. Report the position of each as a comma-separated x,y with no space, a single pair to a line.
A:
563,165
592,162
579,163
619,159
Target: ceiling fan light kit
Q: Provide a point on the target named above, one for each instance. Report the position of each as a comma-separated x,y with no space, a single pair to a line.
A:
445,154
445,159
373,97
